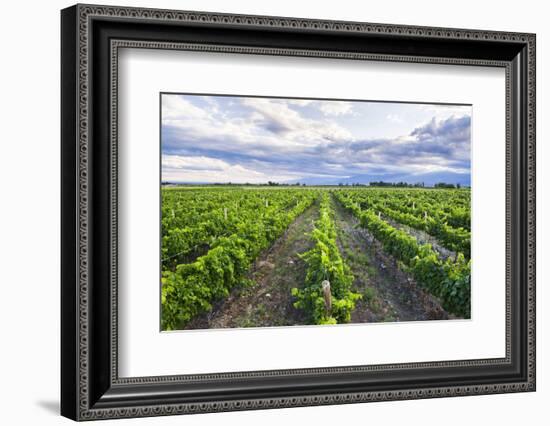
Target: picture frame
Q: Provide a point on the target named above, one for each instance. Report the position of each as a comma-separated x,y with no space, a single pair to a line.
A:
91,37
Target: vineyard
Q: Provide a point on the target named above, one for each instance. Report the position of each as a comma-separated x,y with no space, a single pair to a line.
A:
277,256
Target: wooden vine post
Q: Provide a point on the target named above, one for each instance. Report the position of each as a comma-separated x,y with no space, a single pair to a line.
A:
325,286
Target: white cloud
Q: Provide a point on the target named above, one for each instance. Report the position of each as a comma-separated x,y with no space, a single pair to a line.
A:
299,102
203,169
442,112
394,117
193,163
175,107
280,115
290,124
262,126
334,108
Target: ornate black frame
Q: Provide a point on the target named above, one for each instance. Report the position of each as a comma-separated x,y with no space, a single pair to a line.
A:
91,37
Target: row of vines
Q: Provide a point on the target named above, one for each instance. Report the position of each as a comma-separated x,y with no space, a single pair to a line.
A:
233,241
449,279
448,221
326,296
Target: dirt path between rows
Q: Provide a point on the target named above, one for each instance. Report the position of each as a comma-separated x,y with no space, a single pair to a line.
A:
389,294
267,300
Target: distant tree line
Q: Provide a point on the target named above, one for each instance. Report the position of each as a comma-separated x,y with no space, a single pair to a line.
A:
375,184
446,185
398,184
270,183
442,185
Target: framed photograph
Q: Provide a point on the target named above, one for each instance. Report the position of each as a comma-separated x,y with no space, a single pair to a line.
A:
263,212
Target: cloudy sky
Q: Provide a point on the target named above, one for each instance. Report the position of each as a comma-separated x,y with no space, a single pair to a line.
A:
217,139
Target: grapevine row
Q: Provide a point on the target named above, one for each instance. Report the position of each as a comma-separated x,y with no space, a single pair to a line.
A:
450,207
191,288
192,226
448,280
326,296
455,239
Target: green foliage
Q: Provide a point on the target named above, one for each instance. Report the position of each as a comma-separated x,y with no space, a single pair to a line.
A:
325,263
194,220
443,214
189,289
449,280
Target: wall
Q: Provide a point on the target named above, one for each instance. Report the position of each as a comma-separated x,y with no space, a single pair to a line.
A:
29,229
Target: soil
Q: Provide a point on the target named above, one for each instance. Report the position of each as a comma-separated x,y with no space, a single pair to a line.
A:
265,297
389,293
